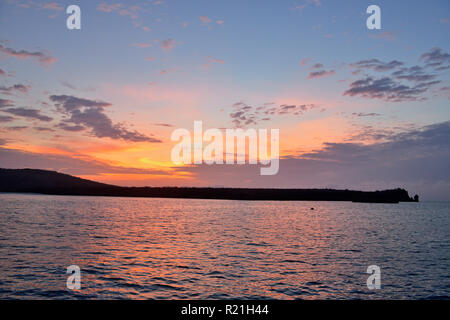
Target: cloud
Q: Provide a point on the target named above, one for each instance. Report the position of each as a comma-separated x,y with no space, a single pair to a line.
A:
16,128
362,114
131,11
73,87
321,74
205,19
163,125
105,7
17,87
220,61
377,65
54,6
71,103
43,129
414,159
142,45
84,113
316,66
68,85
6,118
166,71
44,58
27,113
406,145
220,21
436,58
168,44
415,73
369,133
72,128
404,83
244,114
388,89
6,103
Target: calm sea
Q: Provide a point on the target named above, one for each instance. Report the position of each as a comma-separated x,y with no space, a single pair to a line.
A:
137,248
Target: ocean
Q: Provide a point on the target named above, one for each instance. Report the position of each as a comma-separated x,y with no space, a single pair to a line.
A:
154,248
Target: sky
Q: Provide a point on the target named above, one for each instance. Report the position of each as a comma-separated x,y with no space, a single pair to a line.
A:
356,108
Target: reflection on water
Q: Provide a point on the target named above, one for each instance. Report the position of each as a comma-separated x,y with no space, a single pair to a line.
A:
213,249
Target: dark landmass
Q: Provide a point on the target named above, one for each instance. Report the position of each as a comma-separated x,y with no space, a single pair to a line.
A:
55,183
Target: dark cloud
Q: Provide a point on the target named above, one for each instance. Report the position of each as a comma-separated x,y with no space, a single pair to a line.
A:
316,66
17,87
44,58
16,128
168,44
371,133
71,103
388,89
290,109
163,125
6,118
6,103
73,87
68,127
43,129
377,65
27,113
415,73
68,85
436,58
321,74
404,83
362,114
244,114
400,146
84,113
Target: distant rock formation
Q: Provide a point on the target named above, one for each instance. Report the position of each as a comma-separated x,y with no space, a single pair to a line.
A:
51,182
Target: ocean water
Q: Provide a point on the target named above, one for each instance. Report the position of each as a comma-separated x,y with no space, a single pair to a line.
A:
137,248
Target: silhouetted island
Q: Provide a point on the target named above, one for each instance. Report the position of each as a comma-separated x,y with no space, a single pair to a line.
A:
55,183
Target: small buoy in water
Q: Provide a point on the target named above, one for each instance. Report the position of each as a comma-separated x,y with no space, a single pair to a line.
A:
312,208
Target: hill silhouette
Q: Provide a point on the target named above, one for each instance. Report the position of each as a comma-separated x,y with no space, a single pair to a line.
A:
55,183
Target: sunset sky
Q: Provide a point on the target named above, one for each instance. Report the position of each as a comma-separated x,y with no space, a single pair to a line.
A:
356,108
